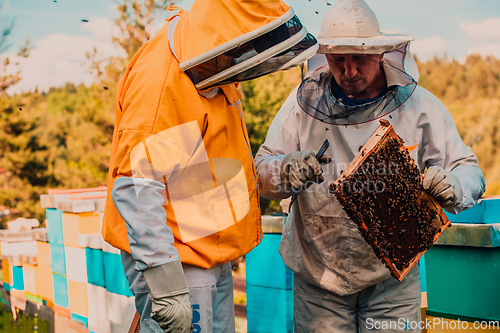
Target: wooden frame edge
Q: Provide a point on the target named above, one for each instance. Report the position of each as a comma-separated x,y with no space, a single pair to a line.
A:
135,323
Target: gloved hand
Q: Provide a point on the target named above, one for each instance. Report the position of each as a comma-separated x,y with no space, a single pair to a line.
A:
170,297
443,186
302,167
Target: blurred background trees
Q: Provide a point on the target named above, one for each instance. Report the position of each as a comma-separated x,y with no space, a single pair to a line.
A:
471,91
62,138
8,75
136,18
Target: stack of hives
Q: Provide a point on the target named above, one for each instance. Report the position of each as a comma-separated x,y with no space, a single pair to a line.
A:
20,262
71,269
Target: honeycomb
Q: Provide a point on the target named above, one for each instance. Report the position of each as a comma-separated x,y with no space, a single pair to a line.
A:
385,198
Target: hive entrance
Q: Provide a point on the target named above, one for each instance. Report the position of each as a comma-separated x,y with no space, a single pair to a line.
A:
381,191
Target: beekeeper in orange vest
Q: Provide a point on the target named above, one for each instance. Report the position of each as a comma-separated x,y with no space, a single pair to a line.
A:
183,198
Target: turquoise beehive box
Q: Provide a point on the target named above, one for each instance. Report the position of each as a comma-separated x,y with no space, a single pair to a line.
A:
17,278
114,275
95,267
463,267
116,281
264,266
60,283
55,228
269,283
94,256
485,211
57,258
56,241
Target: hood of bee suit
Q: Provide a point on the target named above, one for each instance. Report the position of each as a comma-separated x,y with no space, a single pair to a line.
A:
220,42
352,27
316,99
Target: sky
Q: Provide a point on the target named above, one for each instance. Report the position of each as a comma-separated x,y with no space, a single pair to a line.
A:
60,39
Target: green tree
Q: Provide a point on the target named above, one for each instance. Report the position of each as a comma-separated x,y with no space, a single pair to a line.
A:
135,22
262,99
61,139
7,77
470,91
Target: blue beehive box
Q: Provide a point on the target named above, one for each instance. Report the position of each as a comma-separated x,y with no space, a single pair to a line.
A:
269,310
269,283
57,258
462,273
17,278
264,266
80,319
95,267
471,285
60,290
115,279
55,228
486,210
423,279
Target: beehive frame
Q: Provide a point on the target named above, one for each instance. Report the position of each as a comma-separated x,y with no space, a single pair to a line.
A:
383,132
135,326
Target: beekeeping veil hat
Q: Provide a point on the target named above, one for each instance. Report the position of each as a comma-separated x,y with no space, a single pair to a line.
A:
351,27
220,42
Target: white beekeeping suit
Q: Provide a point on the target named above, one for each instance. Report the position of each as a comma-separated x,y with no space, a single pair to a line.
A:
321,245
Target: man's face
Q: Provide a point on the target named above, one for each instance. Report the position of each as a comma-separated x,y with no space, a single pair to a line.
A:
359,76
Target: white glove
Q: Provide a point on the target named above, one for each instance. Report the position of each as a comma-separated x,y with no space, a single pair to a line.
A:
170,297
302,167
443,186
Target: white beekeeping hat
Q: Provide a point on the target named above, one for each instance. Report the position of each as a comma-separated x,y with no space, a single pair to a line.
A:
352,27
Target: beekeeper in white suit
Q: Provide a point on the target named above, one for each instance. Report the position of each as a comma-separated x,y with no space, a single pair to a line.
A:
339,283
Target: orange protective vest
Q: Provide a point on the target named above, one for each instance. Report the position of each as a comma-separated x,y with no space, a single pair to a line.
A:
197,146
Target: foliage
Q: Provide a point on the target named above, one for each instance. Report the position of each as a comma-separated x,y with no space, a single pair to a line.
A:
471,92
24,323
452,82
135,22
8,76
262,98
57,140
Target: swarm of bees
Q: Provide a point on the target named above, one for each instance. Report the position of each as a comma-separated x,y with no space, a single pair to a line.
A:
385,198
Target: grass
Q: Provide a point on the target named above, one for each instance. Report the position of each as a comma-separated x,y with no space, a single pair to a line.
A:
24,323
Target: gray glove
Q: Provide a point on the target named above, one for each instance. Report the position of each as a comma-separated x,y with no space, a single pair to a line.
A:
170,297
302,167
443,186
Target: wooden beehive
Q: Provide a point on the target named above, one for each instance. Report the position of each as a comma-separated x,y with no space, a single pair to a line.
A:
381,191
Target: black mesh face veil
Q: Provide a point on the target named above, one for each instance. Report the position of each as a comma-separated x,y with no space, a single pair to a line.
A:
273,64
315,98
250,49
